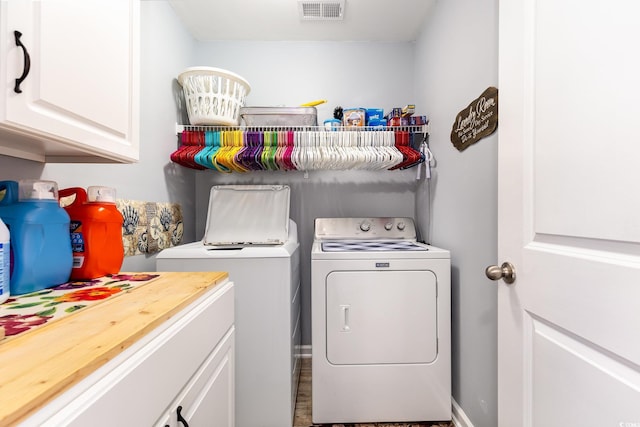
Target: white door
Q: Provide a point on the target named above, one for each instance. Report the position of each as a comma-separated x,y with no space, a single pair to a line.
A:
569,213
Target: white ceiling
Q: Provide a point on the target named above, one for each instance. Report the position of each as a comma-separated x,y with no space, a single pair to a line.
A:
364,20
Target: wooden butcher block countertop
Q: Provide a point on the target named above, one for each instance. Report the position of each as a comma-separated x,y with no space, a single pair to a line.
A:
41,364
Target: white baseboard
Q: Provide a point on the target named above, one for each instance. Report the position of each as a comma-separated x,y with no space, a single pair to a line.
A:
460,419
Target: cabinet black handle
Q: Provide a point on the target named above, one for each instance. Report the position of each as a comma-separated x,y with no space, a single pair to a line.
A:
181,418
27,62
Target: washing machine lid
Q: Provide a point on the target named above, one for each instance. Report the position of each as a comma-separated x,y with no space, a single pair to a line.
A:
247,215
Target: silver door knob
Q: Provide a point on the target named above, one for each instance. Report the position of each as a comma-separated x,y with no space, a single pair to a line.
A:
506,271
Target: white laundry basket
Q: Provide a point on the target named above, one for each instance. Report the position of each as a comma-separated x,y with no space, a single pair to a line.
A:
213,96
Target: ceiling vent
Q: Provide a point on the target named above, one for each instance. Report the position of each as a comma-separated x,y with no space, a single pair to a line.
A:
327,10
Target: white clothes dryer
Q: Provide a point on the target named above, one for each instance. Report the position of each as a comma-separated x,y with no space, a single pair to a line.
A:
381,328
266,277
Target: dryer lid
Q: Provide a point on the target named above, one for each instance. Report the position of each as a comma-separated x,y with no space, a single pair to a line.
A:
247,215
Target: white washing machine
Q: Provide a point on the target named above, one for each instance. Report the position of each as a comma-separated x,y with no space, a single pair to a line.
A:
250,236
381,323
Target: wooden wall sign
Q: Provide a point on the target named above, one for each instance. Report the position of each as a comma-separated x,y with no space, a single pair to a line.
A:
478,120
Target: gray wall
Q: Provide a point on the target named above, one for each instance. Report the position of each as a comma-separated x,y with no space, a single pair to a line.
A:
453,61
456,60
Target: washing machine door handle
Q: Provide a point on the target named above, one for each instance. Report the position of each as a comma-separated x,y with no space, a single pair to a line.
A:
344,310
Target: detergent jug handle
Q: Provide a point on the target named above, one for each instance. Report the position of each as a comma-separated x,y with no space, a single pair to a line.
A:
72,196
8,192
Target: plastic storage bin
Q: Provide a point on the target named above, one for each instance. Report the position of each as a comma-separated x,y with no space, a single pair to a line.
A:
39,227
96,231
279,116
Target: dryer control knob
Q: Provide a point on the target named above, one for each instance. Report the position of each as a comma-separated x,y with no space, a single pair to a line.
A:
401,226
388,226
365,226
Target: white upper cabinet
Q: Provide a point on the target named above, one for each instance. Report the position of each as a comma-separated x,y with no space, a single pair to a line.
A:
77,64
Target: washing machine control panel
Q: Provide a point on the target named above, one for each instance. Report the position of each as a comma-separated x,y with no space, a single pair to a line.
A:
387,228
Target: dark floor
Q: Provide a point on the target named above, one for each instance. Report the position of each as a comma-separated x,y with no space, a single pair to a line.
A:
303,406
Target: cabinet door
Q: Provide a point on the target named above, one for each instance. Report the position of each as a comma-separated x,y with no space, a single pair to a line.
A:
80,96
208,400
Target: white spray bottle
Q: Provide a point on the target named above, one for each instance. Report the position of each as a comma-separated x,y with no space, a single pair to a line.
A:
5,259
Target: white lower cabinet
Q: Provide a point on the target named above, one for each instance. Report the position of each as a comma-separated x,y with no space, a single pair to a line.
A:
181,374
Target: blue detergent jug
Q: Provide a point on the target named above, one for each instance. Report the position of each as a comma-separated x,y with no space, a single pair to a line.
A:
41,254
